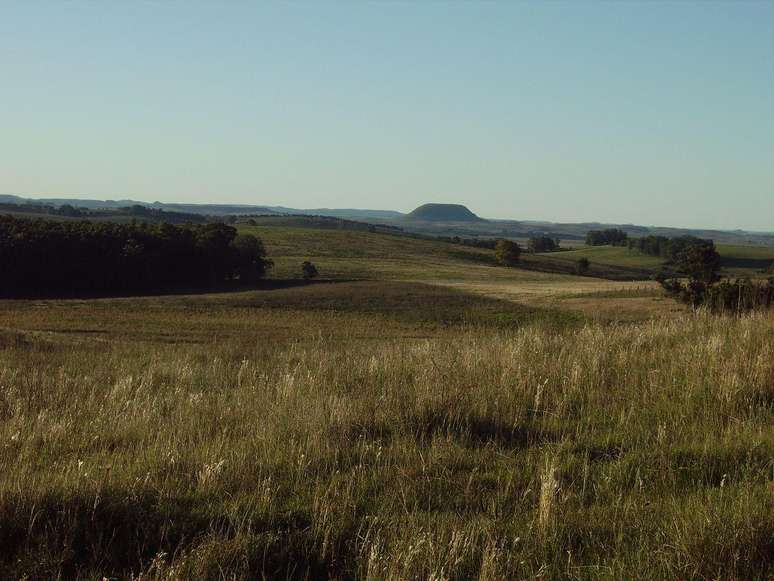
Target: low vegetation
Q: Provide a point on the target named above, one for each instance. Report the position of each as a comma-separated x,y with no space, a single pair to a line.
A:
294,447
309,270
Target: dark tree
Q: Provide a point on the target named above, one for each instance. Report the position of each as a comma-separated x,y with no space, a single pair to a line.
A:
68,210
250,257
582,266
612,236
700,262
543,244
507,252
669,248
309,270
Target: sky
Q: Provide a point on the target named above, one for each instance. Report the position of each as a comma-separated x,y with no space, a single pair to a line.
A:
655,113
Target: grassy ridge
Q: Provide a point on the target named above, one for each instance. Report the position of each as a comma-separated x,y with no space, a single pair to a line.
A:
598,452
736,260
611,256
745,260
351,254
343,254
358,254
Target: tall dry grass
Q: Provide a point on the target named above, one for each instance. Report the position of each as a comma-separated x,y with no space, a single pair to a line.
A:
638,451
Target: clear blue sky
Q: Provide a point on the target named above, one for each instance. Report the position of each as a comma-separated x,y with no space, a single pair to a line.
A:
651,113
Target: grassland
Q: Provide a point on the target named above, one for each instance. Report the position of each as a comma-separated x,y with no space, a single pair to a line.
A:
612,256
438,418
736,260
541,283
195,440
359,254
743,260
352,254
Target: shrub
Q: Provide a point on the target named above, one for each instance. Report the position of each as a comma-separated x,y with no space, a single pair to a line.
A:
309,270
543,244
739,296
507,252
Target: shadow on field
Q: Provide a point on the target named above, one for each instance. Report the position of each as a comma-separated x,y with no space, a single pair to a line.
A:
470,429
562,265
476,430
759,264
224,288
124,533
410,302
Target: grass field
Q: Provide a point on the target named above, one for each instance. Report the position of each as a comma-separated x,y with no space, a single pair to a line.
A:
438,418
349,254
342,254
353,254
611,256
742,260
735,260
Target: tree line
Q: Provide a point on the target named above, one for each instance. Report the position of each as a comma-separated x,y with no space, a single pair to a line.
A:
610,236
135,211
696,278
45,257
543,244
670,248
738,295
488,243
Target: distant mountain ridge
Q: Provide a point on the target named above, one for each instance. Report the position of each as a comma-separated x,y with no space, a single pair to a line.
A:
208,209
432,219
340,212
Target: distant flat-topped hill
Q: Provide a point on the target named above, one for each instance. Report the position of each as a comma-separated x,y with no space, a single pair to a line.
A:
444,213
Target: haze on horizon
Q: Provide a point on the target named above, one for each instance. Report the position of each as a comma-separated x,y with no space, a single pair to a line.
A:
648,113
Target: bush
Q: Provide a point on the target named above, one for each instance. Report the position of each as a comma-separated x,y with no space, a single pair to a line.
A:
507,252
738,296
309,270
543,244
582,266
